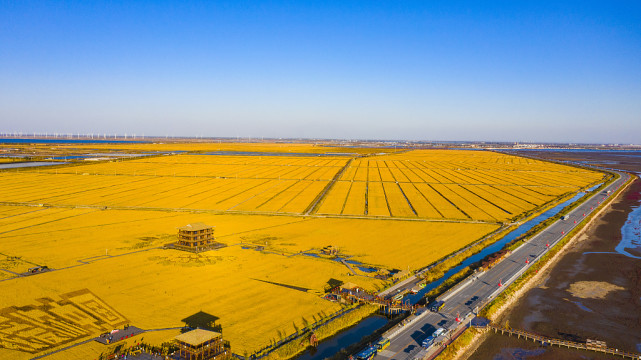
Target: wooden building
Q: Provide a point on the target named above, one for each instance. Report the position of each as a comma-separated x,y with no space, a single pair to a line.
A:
202,344
195,235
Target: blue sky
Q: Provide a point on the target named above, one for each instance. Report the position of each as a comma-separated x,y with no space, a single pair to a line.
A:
419,70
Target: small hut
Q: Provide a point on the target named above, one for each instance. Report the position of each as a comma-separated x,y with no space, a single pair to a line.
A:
329,250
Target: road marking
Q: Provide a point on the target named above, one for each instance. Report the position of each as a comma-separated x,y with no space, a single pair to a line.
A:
386,353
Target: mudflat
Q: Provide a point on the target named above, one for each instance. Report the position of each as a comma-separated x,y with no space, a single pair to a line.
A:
592,292
622,160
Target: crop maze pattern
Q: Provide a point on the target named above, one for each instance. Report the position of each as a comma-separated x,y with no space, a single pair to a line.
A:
51,323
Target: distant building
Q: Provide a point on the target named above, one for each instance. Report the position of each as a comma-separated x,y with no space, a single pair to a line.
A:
202,344
195,235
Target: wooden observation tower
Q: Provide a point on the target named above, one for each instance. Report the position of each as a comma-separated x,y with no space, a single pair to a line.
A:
202,344
196,237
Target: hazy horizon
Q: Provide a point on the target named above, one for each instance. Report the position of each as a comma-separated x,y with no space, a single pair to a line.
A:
466,71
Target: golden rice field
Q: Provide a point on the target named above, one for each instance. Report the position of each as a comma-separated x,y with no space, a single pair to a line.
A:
95,234
434,184
113,253
447,184
101,227
224,183
249,291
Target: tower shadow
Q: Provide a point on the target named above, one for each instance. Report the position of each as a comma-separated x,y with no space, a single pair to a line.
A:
202,320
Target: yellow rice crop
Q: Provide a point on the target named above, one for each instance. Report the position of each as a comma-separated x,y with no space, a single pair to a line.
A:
100,227
262,184
451,184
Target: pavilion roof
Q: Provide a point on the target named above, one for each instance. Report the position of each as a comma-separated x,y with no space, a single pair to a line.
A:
348,286
197,336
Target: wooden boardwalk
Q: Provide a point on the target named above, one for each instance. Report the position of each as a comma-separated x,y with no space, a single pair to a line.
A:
588,346
388,306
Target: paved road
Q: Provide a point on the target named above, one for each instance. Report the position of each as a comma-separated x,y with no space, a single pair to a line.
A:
411,282
479,289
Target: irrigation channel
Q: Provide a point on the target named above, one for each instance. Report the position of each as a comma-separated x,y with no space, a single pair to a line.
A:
29,164
367,326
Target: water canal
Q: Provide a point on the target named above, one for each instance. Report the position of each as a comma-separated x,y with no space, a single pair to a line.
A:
353,335
29,164
497,246
333,345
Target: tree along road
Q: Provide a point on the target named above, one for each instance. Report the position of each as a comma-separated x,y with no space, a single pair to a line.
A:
481,287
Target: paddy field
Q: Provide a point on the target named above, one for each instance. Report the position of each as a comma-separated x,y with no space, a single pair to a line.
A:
101,227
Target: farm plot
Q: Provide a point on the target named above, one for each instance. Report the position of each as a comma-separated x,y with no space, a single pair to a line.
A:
398,203
60,237
254,295
387,243
116,252
257,167
335,204
355,201
423,207
203,182
377,204
453,185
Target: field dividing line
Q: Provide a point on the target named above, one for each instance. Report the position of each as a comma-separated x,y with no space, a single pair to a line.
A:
311,182
428,201
367,189
257,194
46,222
11,272
347,196
313,207
243,191
24,213
448,200
295,182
